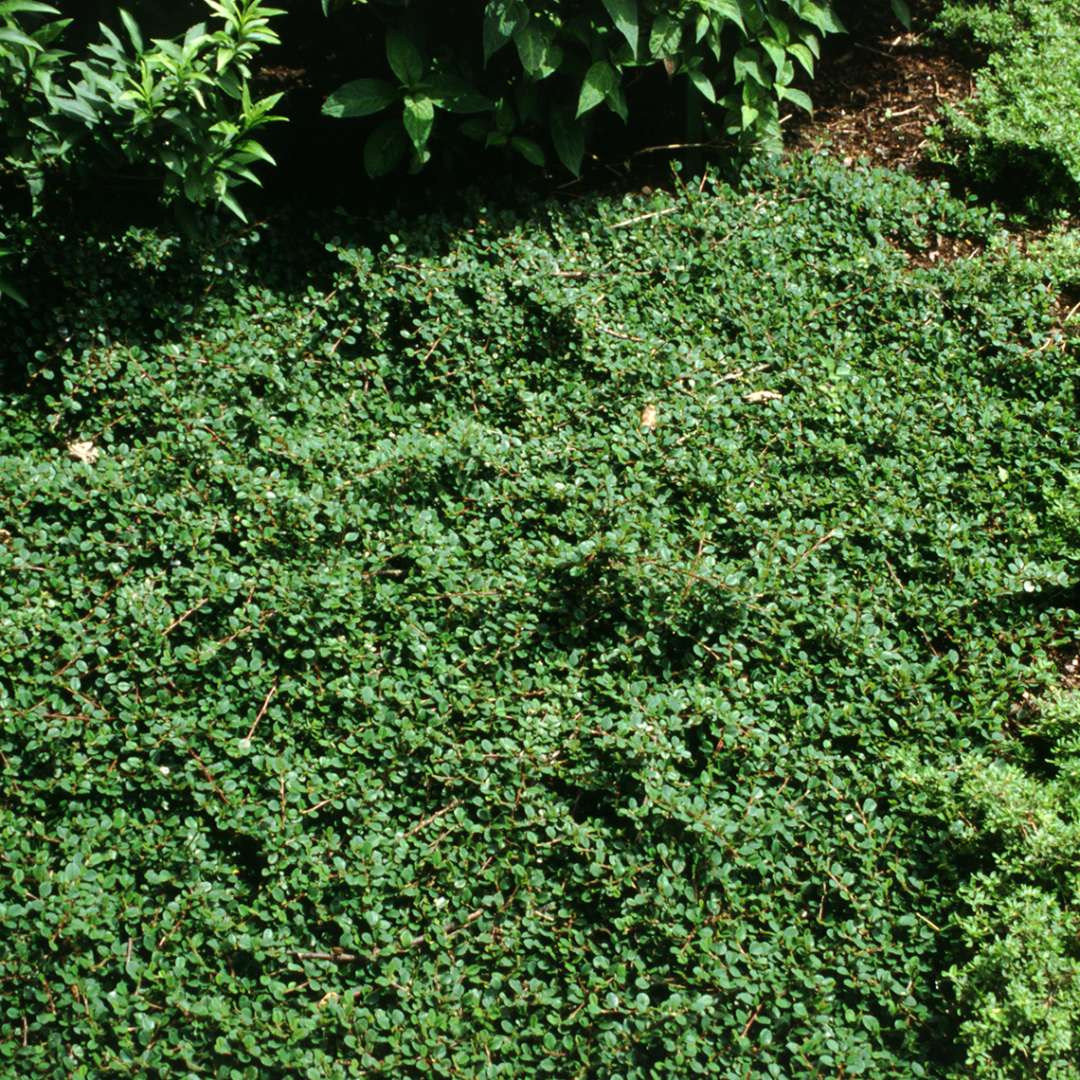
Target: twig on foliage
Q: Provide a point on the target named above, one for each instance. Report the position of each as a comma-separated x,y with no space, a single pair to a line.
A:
672,146
344,334
338,955
423,823
183,618
427,355
840,303
692,576
616,334
644,217
108,592
262,711
751,1020
892,574
814,546
208,776
933,926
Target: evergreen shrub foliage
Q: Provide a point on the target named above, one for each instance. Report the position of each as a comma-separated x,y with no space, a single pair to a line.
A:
1017,813
1017,134
494,647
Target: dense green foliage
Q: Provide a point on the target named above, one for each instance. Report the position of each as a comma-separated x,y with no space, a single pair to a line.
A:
182,106
88,103
541,68
497,646
1018,133
1019,812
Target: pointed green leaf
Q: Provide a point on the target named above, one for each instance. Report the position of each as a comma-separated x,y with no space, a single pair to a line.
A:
501,22
529,150
9,290
796,97
494,38
404,58
821,16
256,150
75,108
419,116
665,37
132,28
512,16
227,199
385,147
776,52
533,46
747,63
19,7
616,101
703,84
454,94
599,81
902,12
17,37
804,56
568,138
780,29
726,9
624,14
360,98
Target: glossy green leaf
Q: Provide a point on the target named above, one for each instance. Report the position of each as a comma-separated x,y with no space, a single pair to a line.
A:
665,36
529,150
419,116
703,84
362,97
568,138
404,57
600,81
385,148
624,14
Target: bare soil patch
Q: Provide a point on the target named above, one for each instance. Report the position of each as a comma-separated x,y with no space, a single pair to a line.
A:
876,91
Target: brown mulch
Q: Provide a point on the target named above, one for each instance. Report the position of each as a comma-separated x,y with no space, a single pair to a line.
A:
876,98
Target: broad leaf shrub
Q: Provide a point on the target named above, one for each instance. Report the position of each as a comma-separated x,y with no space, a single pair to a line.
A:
1017,811
534,74
1017,134
180,107
494,646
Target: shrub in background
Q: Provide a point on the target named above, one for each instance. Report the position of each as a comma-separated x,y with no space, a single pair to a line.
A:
535,71
1017,814
1017,135
181,109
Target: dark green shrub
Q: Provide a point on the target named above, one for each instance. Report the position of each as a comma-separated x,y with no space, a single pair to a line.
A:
491,649
181,107
534,72
1017,135
1018,986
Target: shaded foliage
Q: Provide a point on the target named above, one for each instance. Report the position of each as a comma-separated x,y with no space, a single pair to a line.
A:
494,647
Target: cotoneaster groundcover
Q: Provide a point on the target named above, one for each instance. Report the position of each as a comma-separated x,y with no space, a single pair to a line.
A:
500,644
